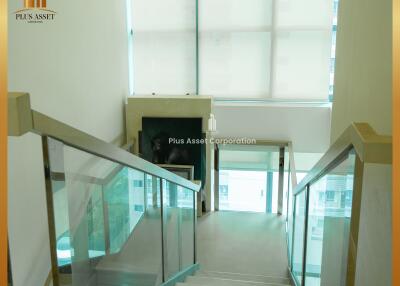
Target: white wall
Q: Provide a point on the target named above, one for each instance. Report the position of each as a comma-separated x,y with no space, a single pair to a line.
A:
308,127
76,70
335,246
363,80
374,250
363,93
27,214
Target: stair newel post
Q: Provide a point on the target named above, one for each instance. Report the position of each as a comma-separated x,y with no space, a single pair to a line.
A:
50,211
303,281
163,237
195,205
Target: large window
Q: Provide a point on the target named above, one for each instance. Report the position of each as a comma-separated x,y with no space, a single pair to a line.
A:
234,49
333,50
243,191
164,46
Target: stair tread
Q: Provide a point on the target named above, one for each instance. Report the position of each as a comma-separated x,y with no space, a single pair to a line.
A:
245,276
215,281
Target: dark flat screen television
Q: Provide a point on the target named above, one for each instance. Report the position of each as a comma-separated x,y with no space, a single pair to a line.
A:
173,141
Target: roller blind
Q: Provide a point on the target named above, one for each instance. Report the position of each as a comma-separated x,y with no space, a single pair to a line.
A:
247,49
303,41
164,46
235,47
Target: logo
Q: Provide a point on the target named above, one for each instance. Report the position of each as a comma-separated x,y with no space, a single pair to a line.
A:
35,11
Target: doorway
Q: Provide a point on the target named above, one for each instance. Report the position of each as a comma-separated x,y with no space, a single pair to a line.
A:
251,178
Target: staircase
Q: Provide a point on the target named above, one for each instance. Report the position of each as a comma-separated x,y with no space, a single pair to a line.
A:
211,278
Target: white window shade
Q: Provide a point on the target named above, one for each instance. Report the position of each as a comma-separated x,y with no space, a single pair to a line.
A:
248,49
235,15
164,63
301,66
235,64
164,46
235,48
304,14
252,49
303,45
164,15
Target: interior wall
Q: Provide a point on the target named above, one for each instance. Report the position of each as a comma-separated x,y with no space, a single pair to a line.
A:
363,76
363,93
27,214
76,70
308,127
374,250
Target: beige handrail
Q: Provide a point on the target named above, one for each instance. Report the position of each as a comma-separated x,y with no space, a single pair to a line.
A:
22,119
369,146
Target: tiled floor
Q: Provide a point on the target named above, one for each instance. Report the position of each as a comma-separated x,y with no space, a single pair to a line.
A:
231,245
242,242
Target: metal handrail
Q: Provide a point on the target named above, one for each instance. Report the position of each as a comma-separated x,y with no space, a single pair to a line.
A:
22,119
369,146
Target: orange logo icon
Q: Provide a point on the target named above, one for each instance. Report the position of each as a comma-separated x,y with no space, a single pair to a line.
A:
35,11
31,4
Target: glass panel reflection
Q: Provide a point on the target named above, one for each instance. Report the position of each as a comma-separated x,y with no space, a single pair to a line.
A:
329,225
106,227
172,229
290,218
186,208
298,240
179,222
124,198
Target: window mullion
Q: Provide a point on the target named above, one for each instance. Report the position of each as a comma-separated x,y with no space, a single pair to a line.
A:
273,50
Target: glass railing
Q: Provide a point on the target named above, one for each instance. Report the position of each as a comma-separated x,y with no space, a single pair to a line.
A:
178,225
289,218
114,218
115,223
298,236
318,225
120,220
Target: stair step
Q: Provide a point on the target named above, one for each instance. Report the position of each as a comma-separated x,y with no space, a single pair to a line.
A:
245,277
185,284
107,277
213,281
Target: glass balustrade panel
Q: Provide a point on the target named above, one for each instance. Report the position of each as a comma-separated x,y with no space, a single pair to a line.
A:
187,218
298,236
329,217
107,219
